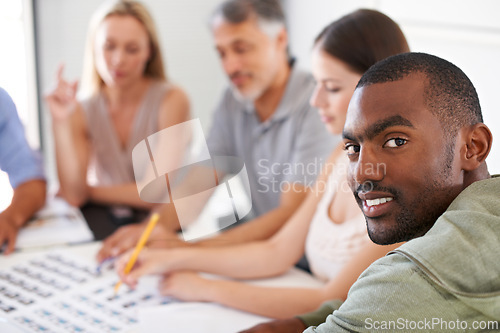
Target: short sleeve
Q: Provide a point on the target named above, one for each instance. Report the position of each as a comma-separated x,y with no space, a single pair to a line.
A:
17,159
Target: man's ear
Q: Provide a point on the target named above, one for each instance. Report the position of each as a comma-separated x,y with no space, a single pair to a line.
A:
282,38
477,146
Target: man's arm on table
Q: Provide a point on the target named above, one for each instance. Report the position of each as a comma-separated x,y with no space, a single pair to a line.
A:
25,171
264,226
27,199
259,228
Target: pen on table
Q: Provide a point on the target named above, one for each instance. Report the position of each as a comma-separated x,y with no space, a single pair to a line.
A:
140,244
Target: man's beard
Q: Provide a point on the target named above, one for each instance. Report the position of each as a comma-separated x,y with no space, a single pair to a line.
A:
411,222
247,97
416,216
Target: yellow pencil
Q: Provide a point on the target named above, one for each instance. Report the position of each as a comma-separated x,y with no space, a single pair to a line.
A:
140,244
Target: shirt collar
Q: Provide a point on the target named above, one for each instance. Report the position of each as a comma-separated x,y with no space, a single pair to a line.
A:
285,106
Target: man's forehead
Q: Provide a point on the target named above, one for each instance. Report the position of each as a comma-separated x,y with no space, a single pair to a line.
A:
370,104
246,29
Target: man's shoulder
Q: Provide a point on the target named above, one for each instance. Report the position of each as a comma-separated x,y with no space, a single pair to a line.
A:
480,196
295,101
388,275
392,266
90,104
301,84
458,252
302,76
392,287
450,273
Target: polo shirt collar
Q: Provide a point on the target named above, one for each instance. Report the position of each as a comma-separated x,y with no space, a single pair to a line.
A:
286,104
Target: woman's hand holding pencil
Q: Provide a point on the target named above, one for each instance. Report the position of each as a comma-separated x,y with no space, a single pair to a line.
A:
135,263
130,260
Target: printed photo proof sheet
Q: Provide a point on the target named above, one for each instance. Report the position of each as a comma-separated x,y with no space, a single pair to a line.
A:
61,292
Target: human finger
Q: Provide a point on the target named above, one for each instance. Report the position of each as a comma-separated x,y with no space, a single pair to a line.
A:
60,70
121,240
10,239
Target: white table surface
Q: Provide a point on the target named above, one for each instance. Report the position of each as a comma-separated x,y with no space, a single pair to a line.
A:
188,317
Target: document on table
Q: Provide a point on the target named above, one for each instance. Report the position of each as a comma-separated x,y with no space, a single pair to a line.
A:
214,318
59,292
196,317
57,223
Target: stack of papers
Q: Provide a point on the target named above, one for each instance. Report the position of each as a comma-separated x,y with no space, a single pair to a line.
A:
57,223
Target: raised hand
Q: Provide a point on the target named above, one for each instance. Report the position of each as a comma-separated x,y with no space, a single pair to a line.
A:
62,99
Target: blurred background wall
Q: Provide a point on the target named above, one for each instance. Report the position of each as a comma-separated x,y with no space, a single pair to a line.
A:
464,32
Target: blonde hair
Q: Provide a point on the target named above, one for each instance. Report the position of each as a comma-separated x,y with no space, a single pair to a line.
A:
92,82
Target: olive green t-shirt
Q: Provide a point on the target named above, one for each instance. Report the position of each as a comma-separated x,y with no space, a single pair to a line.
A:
447,280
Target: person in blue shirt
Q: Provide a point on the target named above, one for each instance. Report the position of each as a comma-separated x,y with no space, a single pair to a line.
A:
25,171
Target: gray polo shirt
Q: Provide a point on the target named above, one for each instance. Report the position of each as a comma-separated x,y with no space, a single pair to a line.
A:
289,147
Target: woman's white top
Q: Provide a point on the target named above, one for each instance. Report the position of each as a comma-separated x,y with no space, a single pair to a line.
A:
330,245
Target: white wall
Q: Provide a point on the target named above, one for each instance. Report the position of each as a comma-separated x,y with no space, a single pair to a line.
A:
18,63
467,33
187,47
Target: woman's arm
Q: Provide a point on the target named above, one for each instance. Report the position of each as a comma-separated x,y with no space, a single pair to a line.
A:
168,151
124,194
272,302
70,139
253,260
339,286
174,109
250,260
72,151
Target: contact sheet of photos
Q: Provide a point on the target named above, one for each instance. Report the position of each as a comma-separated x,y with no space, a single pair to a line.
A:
59,293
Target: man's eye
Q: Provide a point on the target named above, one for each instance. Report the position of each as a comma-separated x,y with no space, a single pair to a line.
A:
351,149
221,54
241,50
333,89
395,142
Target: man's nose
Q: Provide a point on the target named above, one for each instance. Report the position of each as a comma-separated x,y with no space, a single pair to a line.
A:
232,64
368,167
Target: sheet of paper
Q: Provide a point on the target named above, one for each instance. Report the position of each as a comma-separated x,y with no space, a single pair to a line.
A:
60,292
215,318
57,223
196,318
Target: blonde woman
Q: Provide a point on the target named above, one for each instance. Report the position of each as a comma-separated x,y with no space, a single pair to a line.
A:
125,98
